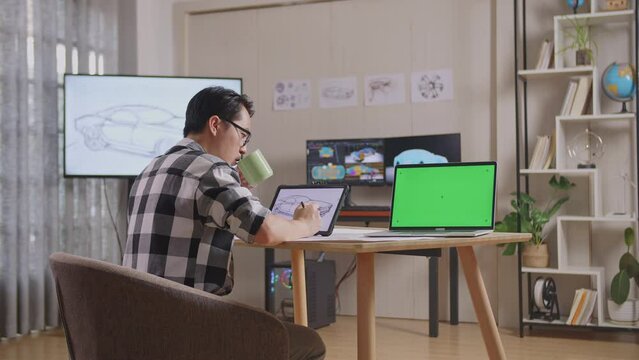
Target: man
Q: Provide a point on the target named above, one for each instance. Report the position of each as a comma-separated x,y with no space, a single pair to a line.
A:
188,204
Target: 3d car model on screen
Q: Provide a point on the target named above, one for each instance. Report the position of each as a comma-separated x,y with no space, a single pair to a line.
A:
418,156
362,154
138,129
326,152
288,205
359,170
328,172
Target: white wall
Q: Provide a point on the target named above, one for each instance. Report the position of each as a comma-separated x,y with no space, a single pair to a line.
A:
155,37
453,34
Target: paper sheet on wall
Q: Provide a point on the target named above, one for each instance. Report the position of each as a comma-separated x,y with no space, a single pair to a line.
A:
291,95
384,89
435,85
338,92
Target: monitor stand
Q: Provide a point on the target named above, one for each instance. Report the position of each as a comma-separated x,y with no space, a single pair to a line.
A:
348,201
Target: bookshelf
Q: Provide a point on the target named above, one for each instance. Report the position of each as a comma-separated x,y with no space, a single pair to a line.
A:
586,237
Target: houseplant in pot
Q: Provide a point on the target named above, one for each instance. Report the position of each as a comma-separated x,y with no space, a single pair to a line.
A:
620,307
533,219
579,40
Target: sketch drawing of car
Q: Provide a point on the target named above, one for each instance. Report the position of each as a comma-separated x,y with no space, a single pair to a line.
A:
137,129
382,85
338,93
288,205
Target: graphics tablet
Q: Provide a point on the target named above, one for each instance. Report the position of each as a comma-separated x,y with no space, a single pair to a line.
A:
328,198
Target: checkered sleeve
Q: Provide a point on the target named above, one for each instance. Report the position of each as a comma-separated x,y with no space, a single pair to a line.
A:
228,205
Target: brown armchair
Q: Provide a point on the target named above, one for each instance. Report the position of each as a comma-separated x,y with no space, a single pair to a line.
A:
114,312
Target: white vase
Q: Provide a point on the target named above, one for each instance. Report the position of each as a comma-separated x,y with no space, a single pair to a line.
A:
626,312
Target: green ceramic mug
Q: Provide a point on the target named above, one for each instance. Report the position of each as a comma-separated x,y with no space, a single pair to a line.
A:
255,168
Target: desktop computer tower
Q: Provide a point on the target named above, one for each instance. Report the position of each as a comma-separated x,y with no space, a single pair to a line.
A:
320,292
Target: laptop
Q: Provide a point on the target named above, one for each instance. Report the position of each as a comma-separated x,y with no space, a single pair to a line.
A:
442,200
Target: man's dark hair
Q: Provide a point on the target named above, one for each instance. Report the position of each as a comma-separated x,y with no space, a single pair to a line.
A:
225,103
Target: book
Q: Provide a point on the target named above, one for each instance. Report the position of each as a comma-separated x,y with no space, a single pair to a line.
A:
548,56
588,310
538,157
583,305
550,156
580,102
569,98
535,154
542,53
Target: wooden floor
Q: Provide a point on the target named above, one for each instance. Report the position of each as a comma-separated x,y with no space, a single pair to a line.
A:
406,340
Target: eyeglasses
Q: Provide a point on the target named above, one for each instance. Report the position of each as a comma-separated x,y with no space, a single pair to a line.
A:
242,131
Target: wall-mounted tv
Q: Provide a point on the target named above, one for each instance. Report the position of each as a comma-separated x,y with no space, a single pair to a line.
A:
345,161
424,149
115,125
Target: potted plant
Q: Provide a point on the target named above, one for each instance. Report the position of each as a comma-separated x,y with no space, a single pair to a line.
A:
533,220
579,40
620,307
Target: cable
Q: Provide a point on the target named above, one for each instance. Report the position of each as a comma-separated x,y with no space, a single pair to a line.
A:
349,271
321,256
117,234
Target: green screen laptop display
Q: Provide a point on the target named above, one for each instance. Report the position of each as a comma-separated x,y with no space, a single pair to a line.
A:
434,196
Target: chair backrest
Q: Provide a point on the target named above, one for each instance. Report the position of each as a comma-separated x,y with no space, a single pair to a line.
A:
114,312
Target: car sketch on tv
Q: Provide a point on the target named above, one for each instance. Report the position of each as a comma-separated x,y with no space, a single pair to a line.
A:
137,129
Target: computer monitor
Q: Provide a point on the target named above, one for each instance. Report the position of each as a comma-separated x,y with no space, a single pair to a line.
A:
345,161
115,125
425,149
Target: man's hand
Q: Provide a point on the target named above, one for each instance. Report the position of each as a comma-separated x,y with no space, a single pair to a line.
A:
309,213
243,181
276,229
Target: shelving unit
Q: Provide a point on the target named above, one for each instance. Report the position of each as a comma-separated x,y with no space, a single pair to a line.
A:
574,255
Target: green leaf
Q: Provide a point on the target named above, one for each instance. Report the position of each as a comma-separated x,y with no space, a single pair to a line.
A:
555,207
633,268
501,226
526,199
510,249
508,224
620,287
629,236
626,263
562,184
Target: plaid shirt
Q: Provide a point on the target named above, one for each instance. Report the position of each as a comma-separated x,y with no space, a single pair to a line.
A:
184,210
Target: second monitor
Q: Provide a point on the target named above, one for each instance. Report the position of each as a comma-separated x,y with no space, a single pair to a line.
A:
372,161
346,161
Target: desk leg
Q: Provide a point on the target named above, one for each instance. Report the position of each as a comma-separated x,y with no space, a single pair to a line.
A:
433,297
366,306
299,287
481,303
454,286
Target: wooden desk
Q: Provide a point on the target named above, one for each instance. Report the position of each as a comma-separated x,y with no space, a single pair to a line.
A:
347,242
382,217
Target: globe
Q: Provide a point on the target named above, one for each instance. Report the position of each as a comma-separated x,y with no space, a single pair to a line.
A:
586,147
575,4
618,83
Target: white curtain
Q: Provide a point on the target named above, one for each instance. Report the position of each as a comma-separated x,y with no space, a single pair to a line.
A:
41,211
